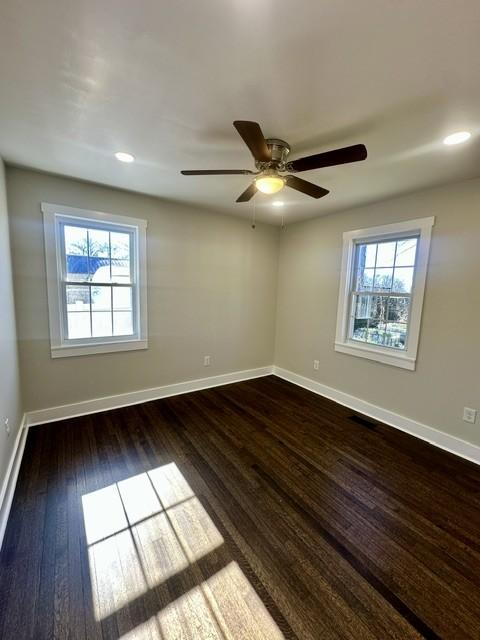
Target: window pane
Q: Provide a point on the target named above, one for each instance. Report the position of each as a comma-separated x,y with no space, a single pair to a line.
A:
100,270
370,255
99,255
360,329
121,257
365,280
403,279
78,312
98,243
362,314
76,260
406,250
122,298
101,298
75,241
398,309
120,245
386,254
366,255
101,324
77,268
377,310
122,323
121,271
396,335
376,335
78,325
101,311
78,298
363,305
383,279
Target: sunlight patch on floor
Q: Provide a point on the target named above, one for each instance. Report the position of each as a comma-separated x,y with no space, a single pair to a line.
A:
149,528
224,607
194,529
149,630
116,574
139,498
170,485
136,542
103,514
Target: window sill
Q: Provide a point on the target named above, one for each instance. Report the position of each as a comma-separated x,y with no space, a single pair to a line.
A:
379,355
66,351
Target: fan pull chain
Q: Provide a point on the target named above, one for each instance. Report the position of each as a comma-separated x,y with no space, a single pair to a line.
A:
254,219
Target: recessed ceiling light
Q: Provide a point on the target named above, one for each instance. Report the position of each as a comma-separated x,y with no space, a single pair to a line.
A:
277,203
124,157
457,138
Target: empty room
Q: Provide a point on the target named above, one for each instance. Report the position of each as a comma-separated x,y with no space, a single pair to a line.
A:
239,314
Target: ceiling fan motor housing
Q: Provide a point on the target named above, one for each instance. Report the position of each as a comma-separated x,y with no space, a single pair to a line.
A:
279,150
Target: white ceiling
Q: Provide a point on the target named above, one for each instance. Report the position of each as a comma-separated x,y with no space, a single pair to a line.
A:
164,80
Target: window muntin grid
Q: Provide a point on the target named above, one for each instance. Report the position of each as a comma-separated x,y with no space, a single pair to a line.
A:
381,291
98,281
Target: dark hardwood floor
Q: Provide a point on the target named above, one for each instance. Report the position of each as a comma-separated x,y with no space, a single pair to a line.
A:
254,510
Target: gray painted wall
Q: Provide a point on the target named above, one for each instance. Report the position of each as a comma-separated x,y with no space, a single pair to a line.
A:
10,399
211,291
447,377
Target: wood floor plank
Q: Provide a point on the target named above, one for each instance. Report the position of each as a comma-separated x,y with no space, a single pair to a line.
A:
253,511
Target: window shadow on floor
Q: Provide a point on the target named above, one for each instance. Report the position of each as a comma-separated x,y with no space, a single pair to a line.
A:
158,564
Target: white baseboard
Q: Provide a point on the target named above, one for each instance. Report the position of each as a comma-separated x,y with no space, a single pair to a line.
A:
438,438
53,414
10,480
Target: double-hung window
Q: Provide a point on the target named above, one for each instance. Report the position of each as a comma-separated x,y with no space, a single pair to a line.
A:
381,291
96,279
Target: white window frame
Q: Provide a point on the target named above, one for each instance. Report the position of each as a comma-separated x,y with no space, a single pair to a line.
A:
53,218
422,228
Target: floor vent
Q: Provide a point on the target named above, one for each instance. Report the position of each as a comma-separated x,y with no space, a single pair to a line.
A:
365,422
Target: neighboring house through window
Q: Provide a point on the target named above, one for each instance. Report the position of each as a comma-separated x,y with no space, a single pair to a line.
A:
96,277
381,291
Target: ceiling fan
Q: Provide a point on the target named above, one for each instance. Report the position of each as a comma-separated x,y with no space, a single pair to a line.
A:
270,156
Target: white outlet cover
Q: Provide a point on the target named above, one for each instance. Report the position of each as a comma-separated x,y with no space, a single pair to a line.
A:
469,415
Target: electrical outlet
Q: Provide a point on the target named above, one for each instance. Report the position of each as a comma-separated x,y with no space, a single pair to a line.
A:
206,361
7,427
469,415
316,365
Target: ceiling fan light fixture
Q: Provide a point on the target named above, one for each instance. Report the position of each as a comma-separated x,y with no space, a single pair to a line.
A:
269,183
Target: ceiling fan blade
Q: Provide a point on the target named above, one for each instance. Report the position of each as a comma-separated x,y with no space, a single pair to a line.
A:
308,188
217,172
248,193
254,139
355,153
